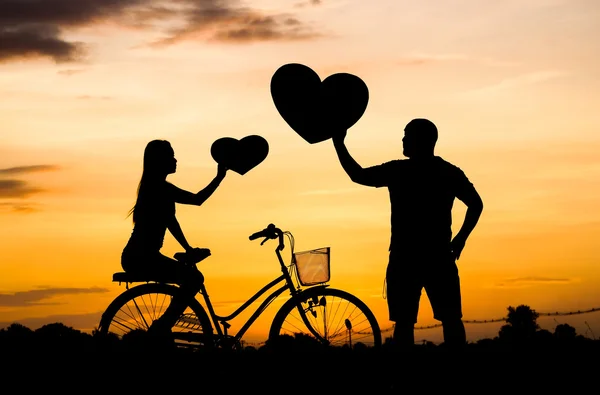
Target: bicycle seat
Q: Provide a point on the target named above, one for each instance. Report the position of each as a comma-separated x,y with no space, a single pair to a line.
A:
124,277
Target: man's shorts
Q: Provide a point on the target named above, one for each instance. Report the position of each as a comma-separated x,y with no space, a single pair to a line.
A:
407,275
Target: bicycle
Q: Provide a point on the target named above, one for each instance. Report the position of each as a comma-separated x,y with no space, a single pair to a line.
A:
331,316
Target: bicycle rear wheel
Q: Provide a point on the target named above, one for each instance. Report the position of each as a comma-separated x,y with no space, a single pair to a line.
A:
137,308
336,318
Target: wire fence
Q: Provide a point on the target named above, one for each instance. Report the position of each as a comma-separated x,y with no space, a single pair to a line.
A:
550,314
489,321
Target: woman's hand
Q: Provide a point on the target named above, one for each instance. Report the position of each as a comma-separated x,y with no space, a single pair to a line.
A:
221,170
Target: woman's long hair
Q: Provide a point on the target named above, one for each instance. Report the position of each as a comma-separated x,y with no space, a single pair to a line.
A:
155,155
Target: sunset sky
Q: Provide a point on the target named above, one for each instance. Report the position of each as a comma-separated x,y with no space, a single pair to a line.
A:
513,86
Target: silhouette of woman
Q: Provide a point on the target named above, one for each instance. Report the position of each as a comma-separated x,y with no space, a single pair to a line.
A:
154,213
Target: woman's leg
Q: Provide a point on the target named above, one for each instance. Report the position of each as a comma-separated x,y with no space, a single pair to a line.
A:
189,280
159,267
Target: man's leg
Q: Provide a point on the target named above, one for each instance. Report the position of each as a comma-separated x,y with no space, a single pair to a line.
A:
404,336
454,333
403,291
443,290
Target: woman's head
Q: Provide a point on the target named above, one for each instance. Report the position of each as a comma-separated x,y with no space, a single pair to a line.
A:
159,159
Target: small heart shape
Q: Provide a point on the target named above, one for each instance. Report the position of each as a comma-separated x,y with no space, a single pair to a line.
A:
241,155
317,109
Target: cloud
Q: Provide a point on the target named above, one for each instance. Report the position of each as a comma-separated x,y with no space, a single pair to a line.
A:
70,72
341,191
28,169
229,303
35,296
515,82
88,97
528,281
18,207
419,59
62,12
17,189
37,41
213,20
11,188
36,28
308,3
428,58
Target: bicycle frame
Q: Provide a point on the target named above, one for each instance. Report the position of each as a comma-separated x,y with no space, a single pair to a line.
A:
205,327
223,320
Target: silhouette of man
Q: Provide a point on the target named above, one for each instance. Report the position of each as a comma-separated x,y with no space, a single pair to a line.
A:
422,252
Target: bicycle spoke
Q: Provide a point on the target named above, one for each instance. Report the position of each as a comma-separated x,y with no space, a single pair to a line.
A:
338,318
140,312
138,307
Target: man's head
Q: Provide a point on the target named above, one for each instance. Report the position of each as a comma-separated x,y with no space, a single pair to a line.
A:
420,136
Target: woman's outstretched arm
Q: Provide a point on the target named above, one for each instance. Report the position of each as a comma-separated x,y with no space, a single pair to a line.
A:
197,199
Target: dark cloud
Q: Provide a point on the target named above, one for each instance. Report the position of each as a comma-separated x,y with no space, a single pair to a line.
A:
62,12
35,296
28,169
37,41
260,28
17,189
308,3
18,207
525,281
229,303
35,28
292,22
214,20
70,72
537,280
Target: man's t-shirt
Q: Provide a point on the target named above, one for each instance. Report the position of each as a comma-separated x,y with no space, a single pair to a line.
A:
422,194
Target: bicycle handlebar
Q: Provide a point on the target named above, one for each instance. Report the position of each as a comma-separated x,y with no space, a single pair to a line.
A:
271,232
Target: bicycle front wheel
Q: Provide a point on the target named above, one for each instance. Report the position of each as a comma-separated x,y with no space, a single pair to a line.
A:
330,316
137,308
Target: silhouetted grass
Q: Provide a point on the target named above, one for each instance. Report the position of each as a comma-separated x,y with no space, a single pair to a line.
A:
69,359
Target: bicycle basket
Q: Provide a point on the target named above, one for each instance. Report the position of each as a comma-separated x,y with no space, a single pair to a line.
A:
312,267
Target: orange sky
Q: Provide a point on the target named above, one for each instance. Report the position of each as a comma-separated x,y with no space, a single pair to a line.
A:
513,88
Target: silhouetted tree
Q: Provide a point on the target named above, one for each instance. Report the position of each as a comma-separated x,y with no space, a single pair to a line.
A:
521,325
565,333
17,330
543,338
60,337
16,338
105,342
136,340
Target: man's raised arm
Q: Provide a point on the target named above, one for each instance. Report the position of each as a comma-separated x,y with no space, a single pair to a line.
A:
355,171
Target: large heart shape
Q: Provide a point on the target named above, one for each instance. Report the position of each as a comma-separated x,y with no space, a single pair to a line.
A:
241,155
316,109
